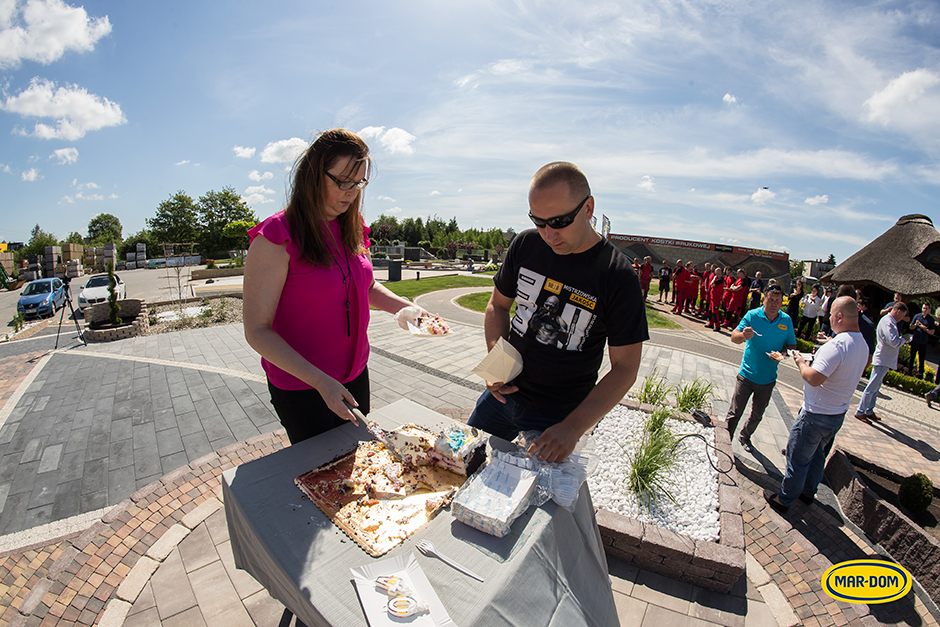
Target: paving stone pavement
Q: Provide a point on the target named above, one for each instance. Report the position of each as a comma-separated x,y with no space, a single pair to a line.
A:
157,553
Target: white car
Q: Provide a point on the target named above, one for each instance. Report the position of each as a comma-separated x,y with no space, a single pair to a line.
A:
96,291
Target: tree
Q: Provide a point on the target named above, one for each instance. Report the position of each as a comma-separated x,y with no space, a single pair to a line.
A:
796,269
103,229
412,231
38,240
386,228
832,259
129,245
214,210
238,232
175,220
74,238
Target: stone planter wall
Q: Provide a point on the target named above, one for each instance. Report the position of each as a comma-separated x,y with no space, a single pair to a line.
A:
132,310
199,275
715,565
911,546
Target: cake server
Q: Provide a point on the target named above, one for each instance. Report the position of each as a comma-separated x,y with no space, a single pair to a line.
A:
374,429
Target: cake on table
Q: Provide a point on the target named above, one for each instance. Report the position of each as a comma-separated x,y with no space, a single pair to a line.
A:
378,499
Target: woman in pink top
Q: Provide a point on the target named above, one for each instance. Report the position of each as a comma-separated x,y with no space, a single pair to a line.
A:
308,287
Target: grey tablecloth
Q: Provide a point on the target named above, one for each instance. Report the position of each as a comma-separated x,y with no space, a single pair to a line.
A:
550,571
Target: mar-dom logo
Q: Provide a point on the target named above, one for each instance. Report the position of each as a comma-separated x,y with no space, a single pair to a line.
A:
867,581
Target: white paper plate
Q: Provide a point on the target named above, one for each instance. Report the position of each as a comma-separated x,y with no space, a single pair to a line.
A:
416,330
374,601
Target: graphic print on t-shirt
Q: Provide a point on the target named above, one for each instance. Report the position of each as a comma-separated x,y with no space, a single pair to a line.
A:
551,312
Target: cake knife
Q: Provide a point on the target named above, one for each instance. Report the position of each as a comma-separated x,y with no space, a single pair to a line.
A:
374,430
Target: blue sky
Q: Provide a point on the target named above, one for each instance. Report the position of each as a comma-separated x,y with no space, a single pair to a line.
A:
680,113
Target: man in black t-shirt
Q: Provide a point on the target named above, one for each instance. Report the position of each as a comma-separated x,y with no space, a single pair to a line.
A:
574,293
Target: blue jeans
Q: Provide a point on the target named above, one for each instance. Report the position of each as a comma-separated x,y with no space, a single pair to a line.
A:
807,448
506,420
870,395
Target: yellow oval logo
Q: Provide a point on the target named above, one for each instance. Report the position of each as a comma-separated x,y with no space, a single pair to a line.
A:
782,327
867,581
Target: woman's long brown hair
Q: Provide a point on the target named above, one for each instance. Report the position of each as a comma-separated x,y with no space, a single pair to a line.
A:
305,211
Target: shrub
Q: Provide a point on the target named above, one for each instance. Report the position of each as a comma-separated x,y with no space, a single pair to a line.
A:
379,255
491,268
210,264
916,492
895,379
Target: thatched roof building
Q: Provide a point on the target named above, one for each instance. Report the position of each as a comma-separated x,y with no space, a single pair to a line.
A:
905,259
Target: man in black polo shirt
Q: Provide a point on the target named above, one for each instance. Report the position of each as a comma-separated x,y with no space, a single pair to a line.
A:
574,293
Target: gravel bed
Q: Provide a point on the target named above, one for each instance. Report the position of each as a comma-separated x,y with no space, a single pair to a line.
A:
222,310
694,481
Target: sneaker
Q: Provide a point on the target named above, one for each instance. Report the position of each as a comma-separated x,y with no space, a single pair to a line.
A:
717,329
746,444
711,326
807,498
771,497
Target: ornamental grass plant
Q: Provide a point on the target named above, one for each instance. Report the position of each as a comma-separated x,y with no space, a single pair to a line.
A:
648,474
654,389
697,394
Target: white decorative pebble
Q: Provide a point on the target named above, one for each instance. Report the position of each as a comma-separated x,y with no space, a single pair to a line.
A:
695,482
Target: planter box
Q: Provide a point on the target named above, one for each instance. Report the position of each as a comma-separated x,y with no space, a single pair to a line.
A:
132,310
715,565
911,546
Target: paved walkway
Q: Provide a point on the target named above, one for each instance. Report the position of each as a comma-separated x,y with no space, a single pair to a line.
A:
110,458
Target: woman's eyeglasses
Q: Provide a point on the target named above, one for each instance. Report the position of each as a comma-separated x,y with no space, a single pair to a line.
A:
558,222
348,185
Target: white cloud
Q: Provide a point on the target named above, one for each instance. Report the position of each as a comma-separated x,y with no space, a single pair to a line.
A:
255,175
393,210
385,198
283,151
183,162
75,111
31,175
6,169
730,99
66,156
258,189
82,186
647,184
113,197
257,199
67,199
815,200
502,68
901,96
393,140
435,193
45,31
762,195
244,153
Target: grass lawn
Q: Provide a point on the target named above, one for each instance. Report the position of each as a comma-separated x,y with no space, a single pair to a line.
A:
654,319
412,288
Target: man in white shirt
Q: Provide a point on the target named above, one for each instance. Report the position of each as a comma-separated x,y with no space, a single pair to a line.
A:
827,389
885,358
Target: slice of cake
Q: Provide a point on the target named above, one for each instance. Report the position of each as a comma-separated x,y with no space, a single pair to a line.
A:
460,449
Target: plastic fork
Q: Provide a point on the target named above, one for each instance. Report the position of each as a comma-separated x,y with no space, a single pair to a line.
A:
427,548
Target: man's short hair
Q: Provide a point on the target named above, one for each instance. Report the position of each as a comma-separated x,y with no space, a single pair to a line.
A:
899,307
863,301
845,290
562,172
773,288
927,305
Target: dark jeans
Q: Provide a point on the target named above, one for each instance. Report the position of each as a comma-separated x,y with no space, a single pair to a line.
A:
506,420
304,414
919,350
743,389
809,444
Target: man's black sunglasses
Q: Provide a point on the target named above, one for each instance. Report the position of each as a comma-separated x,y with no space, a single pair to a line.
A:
558,222
348,185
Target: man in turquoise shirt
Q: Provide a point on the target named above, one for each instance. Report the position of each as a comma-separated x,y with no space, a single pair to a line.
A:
765,329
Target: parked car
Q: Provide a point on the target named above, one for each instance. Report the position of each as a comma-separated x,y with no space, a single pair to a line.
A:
42,297
96,290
